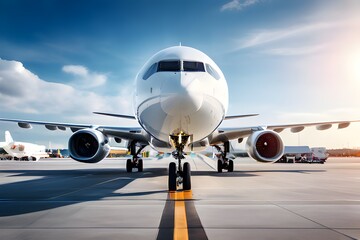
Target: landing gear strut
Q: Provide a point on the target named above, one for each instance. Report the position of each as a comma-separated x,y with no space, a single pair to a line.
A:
223,162
181,175
135,162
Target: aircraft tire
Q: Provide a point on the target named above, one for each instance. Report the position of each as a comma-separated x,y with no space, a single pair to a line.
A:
140,165
231,166
172,177
219,166
187,176
128,165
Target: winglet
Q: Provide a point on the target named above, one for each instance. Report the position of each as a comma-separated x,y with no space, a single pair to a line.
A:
240,116
115,115
8,138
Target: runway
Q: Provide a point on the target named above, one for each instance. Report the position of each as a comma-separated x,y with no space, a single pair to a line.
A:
62,199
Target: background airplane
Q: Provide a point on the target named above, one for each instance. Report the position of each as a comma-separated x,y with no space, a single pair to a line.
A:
180,102
21,150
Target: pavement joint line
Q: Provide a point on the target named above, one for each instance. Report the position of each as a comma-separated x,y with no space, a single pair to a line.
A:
155,228
53,179
88,187
192,159
326,227
203,160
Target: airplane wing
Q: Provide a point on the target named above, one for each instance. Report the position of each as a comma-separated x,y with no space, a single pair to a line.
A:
133,117
240,116
116,115
227,134
128,133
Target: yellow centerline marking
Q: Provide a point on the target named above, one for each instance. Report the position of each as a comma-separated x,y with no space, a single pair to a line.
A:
180,223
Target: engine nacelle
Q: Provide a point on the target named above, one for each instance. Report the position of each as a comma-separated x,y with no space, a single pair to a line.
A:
265,146
88,146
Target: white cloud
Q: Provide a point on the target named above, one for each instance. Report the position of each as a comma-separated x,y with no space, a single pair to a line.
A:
76,70
238,5
21,91
261,37
317,28
84,77
295,51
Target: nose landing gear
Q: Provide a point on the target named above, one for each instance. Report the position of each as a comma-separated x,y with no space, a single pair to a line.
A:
178,174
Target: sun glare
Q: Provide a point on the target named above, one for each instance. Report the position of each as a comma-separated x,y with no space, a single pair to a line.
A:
356,66
353,66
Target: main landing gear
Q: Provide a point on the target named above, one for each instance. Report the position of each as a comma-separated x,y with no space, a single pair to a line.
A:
135,162
223,162
178,174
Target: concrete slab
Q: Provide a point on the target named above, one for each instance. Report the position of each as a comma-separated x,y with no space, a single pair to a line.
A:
60,198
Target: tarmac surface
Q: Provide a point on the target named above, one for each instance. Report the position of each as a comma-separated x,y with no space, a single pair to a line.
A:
63,199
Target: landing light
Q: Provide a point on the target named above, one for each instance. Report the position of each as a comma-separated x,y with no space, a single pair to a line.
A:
179,140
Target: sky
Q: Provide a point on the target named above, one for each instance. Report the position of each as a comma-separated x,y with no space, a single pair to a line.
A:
289,61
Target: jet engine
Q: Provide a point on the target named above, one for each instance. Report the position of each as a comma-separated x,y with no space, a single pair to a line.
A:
265,146
88,146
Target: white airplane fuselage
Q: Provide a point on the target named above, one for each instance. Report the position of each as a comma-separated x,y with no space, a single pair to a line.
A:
180,90
24,149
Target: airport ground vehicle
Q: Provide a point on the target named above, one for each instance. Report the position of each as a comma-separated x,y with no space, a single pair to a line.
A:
319,155
303,154
296,154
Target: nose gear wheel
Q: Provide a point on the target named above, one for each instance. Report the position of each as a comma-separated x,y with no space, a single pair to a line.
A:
179,174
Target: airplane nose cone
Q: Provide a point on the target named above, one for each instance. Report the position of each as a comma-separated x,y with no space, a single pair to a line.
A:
181,104
183,96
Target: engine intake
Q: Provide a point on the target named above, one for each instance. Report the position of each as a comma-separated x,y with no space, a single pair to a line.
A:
88,146
265,146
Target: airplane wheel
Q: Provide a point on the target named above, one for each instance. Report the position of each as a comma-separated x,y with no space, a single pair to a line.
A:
140,165
231,166
128,165
172,177
186,176
219,166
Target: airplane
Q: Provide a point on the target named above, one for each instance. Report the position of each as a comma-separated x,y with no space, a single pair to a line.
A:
180,101
22,150
3,153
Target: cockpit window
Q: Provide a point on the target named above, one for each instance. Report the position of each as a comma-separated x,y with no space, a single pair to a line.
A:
169,66
177,66
150,71
212,71
193,66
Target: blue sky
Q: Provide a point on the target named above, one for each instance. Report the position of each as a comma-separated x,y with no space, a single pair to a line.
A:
290,61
